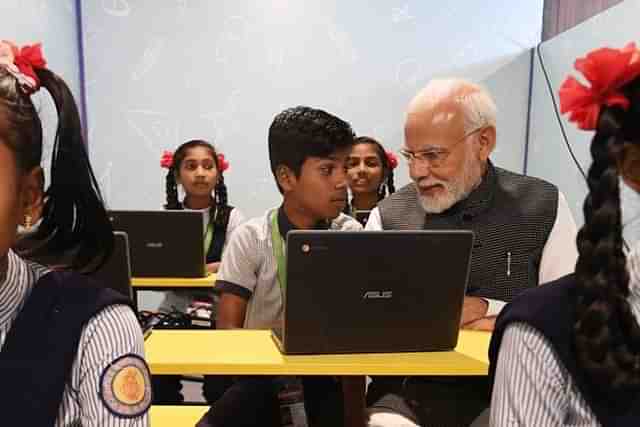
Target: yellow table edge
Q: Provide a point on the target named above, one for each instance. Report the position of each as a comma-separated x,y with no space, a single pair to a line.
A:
176,416
469,357
174,282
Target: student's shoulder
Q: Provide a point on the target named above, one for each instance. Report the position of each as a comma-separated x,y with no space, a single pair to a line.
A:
254,229
115,323
345,223
235,214
236,217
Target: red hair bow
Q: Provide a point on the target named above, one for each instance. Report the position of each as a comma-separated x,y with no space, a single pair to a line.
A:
392,160
22,63
223,164
28,58
166,161
606,70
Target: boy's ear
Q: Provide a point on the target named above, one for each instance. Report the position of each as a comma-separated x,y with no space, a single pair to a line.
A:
286,178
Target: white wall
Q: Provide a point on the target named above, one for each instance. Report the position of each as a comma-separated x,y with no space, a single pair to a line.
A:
509,85
52,22
159,73
548,155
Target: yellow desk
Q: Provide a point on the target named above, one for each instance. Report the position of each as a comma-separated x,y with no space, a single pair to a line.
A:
176,416
248,352
164,283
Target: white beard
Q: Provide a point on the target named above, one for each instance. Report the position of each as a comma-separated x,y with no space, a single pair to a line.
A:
455,190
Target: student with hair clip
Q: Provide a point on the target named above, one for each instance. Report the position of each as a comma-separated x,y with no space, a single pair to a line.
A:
568,353
370,172
308,149
198,168
71,352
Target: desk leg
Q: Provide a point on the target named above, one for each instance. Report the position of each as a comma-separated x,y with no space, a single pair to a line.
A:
354,401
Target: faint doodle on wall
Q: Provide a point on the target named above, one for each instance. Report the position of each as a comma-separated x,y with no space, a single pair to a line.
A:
182,6
275,57
408,73
70,6
343,43
149,58
119,8
401,14
223,121
235,31
156,129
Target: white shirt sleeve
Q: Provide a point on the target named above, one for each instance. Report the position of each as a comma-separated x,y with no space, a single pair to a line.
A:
112,334
235,219
530,386
241,262
388,419
560,253
374,223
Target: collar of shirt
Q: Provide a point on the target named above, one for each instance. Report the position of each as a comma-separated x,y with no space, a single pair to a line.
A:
14,288
285,225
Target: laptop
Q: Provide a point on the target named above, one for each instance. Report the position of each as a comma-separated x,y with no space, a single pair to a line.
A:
163,243
377,291
115,273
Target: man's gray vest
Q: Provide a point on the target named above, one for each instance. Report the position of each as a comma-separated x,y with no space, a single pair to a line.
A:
511,216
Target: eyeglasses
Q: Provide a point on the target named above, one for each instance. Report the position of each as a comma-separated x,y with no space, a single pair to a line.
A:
436,157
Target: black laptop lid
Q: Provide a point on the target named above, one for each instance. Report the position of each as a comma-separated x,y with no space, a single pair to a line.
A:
377,291
115,273
163,243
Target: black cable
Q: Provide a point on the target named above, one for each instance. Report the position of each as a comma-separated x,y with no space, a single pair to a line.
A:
559,117
564,135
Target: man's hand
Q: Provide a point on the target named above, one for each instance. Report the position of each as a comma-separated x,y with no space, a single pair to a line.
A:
484,324
473,308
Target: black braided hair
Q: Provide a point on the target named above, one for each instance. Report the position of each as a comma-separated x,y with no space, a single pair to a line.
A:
171,188
75,231
607,335
223,211
221,200
301,132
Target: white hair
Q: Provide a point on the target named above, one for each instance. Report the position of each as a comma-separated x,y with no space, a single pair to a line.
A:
476,103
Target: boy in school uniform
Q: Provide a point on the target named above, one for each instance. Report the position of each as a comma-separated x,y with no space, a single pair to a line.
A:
308,149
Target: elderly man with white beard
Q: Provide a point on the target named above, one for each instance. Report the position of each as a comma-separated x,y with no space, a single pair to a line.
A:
524,236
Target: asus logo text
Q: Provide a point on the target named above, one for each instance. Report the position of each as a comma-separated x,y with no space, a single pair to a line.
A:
378,295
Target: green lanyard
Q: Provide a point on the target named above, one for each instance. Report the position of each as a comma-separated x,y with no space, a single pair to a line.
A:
279,252
208,235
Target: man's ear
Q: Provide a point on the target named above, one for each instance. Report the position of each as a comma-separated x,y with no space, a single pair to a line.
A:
487,142
286,178
32,194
